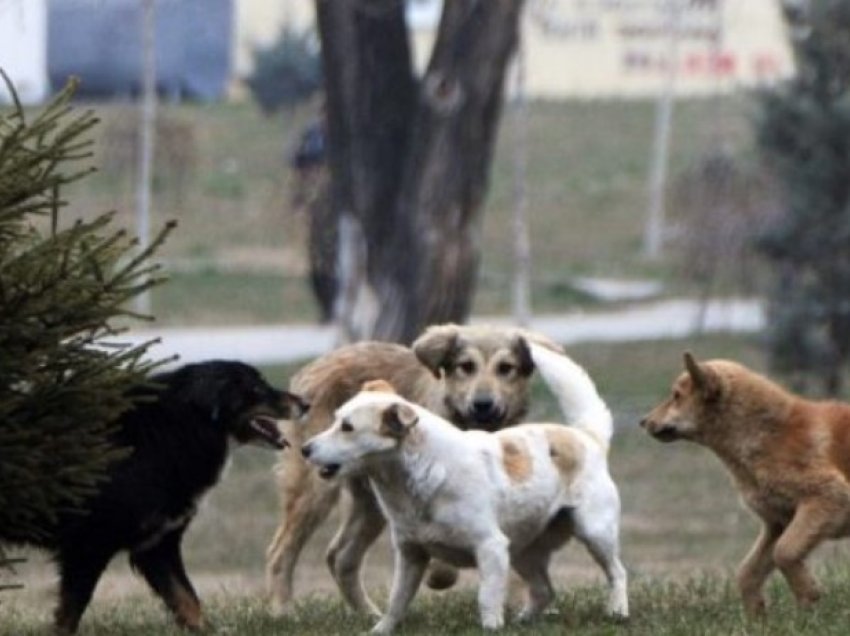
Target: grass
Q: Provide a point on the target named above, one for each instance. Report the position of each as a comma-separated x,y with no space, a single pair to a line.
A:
226,180
589,163
699,605
233,298
683,533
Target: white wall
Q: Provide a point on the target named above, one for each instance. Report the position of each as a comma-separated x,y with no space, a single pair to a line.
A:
23,48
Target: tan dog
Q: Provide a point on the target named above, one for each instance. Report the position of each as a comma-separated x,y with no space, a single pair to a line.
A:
477,377
789,457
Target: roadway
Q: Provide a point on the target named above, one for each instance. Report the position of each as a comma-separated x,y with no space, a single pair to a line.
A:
277,344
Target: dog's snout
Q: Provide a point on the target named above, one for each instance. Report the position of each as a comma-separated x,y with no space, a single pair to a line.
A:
643,422
483,406
306,450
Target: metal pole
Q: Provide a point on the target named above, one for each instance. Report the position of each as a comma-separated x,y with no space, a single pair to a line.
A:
522,242
654,231
147,133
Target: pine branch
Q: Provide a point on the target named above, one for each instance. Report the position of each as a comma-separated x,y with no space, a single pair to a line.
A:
64,381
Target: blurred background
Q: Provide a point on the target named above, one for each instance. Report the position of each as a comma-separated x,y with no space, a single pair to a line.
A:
626,144
633,177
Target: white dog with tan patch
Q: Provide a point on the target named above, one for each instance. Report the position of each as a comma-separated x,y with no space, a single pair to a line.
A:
491,500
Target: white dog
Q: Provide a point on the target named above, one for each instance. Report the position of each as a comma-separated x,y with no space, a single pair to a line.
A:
491,500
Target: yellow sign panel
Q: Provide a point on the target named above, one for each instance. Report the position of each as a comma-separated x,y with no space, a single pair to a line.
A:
597,48
607,48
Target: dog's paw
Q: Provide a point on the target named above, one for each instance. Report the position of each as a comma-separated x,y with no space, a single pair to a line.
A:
526,615
755,607
492,622
383,626
619,617
809,598
192,624
617,606
279,609
617,613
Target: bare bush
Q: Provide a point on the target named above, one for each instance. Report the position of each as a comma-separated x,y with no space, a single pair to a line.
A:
176,157
721,205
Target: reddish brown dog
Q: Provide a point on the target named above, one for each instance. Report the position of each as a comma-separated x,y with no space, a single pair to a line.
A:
788,456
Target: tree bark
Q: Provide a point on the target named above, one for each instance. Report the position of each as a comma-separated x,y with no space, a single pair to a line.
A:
409,159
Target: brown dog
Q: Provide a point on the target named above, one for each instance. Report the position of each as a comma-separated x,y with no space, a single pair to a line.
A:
789,457
477,377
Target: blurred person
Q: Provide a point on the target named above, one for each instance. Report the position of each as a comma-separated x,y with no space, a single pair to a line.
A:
312,196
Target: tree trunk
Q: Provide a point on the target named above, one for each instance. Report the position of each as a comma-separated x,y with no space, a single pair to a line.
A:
147,135
410,160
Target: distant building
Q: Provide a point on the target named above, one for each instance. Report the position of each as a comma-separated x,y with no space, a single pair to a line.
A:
596,48
101,43
23,52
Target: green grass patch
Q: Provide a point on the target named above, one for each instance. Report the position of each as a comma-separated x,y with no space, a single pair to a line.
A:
699,605
225,178
233,298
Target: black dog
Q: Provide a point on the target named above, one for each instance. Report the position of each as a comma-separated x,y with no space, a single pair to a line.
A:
179,439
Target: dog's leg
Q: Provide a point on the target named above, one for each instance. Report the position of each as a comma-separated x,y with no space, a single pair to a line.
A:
79,572
410,564
755,569
307,501
493,561
533,566
812,523
599,532
362,524
163,569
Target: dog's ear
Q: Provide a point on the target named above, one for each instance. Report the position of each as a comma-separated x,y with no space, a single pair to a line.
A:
378,386
294,405
523,355
435,347
704,378
397,420
539,339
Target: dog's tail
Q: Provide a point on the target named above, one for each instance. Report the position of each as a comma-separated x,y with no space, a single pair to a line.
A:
580,402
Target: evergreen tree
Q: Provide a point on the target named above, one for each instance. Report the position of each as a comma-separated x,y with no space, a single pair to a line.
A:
804,134
286,73
62,287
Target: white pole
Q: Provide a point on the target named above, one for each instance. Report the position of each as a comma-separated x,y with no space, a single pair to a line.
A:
522,242
147,130
654,231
